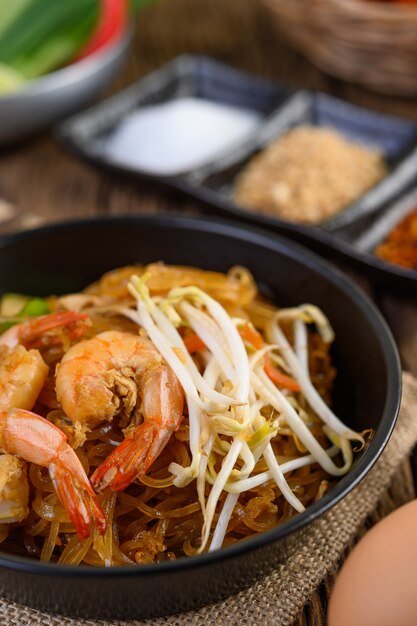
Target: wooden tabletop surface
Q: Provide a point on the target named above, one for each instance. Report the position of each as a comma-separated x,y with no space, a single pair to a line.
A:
47,184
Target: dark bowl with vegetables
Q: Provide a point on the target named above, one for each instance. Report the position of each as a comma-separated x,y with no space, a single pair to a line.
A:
65,258
55,57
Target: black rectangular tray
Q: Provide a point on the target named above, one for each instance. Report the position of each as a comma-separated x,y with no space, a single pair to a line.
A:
351,234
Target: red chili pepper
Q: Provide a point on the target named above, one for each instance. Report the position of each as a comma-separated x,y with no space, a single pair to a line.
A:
400,247
111,24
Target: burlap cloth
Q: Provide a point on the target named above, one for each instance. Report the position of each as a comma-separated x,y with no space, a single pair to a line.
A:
279,598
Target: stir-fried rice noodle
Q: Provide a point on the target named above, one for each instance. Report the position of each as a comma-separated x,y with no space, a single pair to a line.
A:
258,442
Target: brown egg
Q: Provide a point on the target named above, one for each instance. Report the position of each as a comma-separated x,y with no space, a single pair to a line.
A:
377,585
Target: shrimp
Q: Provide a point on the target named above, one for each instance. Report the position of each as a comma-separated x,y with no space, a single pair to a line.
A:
34,439
118,374
23,371
22,375
35,333
14,490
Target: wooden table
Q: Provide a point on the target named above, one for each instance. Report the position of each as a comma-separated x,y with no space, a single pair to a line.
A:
49,185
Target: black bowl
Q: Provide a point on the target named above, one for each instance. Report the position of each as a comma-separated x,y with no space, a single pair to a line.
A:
66,257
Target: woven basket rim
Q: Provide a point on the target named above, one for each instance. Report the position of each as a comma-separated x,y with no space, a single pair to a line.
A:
376,9
359,8
370,43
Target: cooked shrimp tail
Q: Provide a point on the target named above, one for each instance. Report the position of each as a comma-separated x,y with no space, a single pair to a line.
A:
131,458
36,440
78,499
34,333
162,408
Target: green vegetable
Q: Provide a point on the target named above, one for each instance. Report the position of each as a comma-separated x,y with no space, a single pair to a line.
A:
47,34
9,11
40,36
35,307
15,307
10,79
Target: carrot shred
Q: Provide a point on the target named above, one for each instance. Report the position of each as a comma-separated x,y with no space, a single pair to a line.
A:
277,377
193,343
251,335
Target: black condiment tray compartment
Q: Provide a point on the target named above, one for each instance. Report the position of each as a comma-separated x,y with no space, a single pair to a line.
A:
281,107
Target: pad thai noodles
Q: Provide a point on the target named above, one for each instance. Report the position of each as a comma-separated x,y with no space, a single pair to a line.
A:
163,412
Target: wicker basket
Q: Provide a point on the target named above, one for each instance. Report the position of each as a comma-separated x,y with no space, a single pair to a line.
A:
372,43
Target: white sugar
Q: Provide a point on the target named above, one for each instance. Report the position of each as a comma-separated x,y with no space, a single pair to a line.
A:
179,135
